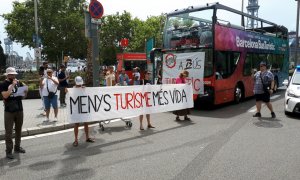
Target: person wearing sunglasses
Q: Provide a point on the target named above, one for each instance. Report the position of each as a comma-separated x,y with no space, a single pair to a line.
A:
263,88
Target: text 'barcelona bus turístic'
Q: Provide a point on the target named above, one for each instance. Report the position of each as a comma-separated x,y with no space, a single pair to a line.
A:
128,61
220,51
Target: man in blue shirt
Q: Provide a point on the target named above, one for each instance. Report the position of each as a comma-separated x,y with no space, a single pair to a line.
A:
123,78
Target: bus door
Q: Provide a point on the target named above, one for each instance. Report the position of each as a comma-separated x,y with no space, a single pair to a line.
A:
225,81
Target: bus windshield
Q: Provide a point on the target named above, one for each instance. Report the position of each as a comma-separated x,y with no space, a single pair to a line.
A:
189,30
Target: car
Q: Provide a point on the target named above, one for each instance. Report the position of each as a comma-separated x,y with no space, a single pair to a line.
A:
292,94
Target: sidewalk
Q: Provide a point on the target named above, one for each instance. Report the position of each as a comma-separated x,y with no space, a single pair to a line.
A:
33,120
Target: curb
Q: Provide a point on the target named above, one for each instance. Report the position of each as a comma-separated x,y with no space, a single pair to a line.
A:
42,130
39,130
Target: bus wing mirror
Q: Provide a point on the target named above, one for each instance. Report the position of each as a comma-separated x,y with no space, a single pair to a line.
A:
155,55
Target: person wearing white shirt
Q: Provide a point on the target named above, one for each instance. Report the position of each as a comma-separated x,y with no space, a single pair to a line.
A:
49,88
136,76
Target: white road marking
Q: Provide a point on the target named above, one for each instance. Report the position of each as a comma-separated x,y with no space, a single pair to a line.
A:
253,109
59,132
274,96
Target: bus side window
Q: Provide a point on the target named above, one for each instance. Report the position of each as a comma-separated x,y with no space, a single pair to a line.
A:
247,65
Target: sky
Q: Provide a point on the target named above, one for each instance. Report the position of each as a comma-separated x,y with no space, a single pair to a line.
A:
282,12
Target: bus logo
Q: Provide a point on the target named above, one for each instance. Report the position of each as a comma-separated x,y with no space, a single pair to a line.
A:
170,61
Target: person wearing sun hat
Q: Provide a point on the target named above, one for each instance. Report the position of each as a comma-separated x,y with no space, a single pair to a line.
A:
13,111
79,84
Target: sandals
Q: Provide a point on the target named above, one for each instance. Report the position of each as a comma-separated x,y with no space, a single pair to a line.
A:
75,143
90,140
150,126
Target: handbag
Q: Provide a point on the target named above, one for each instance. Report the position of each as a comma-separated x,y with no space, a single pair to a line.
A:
266,86
50,94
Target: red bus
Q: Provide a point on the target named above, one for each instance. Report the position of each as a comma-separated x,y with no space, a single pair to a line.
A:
218,48
128,61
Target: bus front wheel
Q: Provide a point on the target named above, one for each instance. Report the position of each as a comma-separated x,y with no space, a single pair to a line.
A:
237,94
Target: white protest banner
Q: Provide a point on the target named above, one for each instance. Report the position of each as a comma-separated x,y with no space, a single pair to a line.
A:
193,62
102,103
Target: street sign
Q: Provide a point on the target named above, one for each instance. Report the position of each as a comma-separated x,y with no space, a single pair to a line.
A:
124,42
95,21
37,53
96,9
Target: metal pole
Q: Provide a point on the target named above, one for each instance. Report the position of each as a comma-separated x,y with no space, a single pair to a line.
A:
36,32
297,34
242,5
95,55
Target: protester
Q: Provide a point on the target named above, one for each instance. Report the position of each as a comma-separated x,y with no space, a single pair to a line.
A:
263,78
123,78
13,111
49,88
183,112
146,81
79,84
63,84
43,74
136,76
110,77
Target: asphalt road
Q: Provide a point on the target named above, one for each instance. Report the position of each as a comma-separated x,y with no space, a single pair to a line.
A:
224,143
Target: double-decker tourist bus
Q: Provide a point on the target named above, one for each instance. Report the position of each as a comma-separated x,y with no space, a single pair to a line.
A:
214,43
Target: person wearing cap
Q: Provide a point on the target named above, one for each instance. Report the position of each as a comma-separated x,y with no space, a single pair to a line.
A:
146,81
63,84
49,86
136,76
123,78
263,79
79,84
13,111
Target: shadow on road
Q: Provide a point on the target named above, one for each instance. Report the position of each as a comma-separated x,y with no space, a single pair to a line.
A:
229,110
268,123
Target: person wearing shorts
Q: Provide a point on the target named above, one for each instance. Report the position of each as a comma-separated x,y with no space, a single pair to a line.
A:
263,77
49,85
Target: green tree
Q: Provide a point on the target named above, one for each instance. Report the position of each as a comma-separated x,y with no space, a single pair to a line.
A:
2,59
61,27
115,27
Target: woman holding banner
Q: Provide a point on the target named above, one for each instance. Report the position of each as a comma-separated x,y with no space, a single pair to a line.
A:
146,81
79,84
182,112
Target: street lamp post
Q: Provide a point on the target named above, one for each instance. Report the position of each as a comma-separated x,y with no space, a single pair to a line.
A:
36,32
297,34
